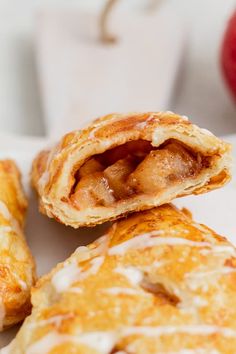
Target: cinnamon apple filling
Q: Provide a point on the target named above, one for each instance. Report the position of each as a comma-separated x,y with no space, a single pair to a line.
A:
134,168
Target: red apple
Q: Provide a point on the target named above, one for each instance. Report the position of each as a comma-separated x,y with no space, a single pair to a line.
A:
228,55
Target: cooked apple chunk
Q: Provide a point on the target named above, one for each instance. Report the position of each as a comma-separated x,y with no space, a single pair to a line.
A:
89,167
93,190
132,169
163,167
117,175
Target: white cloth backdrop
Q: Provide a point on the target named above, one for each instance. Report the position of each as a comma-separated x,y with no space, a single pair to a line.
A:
82,78
200,92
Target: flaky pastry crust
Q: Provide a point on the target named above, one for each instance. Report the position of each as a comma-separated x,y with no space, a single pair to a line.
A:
157,282
54,171
17,268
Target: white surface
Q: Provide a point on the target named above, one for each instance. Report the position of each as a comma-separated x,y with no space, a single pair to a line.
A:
52,242
82,78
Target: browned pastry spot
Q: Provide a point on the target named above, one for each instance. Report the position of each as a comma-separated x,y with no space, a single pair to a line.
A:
117,350
160,290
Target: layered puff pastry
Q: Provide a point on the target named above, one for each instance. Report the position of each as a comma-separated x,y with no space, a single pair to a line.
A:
156,283
126,163
17,268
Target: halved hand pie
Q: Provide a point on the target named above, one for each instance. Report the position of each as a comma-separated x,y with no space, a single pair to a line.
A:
126,163
17,268
155,283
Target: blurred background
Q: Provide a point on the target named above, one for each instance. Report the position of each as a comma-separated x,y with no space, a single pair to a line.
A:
56,74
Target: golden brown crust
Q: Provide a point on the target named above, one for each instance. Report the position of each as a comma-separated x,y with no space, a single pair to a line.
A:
156,283
17,268
53,172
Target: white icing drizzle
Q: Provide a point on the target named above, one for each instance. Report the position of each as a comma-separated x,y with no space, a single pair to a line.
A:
82,253
219,249
75,290
55,320
50,341
72,273
199,301
142,125
21,282
149,240
8,216
206,131
203,279
66,276
134,275
194,285
154,265
100,341
81,249
5,230
158,264
5,211
223,270
105,341
125,291
202,330
196,351
95,265
185,117
101,246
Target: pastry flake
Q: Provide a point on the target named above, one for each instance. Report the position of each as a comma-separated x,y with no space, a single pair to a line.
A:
156,283
126,163
17,268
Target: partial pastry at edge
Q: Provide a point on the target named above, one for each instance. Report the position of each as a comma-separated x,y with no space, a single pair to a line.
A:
126,163
156,283
17,268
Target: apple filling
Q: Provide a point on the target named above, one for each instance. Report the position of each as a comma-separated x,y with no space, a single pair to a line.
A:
134,168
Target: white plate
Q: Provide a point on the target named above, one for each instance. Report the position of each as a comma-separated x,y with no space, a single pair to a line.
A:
52,242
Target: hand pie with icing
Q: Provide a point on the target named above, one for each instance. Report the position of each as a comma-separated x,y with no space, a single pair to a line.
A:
126,163
156,283
17,268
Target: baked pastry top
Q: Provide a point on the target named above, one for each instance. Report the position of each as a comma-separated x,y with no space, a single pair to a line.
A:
125,163
17,268
157,282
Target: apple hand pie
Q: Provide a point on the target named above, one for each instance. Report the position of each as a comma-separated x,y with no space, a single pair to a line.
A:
156,283
17,268
126,163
